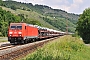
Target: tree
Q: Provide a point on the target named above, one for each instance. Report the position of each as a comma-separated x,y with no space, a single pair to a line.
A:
4,28
6,17
13,7
83,25
0,2
9,0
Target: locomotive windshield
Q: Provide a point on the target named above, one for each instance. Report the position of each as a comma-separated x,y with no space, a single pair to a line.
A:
16,27
13,27
19,27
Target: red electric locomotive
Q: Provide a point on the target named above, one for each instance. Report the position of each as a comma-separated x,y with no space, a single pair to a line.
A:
20,32
23,33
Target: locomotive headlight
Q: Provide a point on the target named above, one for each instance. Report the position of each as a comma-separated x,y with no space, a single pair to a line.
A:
10,32
20,35
10,35
19,32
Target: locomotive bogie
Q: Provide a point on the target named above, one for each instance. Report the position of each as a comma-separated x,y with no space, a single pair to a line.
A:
15,39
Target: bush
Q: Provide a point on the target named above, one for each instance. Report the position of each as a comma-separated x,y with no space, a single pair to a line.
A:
13,7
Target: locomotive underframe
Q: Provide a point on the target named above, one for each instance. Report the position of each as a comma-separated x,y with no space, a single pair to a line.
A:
21,40
15,39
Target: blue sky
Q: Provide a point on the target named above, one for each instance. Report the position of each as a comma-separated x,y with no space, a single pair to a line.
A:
71,6
71,1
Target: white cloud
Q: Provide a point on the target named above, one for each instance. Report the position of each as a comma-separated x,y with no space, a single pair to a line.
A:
75,6
77,1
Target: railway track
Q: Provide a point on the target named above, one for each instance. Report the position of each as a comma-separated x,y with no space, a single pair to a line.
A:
87,45
4,44
22,50
6,47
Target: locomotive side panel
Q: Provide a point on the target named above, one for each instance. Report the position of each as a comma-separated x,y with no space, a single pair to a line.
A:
30,32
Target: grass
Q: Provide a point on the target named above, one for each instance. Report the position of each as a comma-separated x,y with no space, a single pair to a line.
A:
3,39
64,48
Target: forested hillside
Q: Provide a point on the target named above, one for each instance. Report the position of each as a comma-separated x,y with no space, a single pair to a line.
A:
6,17
41,15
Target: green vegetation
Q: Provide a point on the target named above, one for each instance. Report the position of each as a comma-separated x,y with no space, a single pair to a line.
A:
0,2
63,48
83,25
48,17
12,11
6,17
3,41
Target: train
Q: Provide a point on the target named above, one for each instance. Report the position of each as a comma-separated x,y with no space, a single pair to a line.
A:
21,33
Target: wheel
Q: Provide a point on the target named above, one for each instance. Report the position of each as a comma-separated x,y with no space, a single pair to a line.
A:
22,42
25,41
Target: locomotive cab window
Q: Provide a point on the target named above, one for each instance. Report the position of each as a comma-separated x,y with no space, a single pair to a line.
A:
13,27
19,27
16,27
25,27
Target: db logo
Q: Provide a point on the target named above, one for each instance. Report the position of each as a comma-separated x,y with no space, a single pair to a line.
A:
15,32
